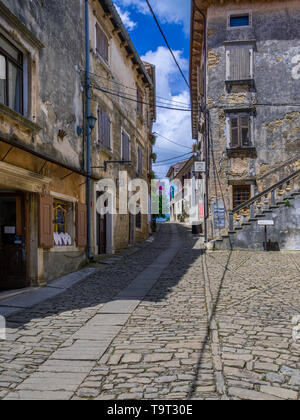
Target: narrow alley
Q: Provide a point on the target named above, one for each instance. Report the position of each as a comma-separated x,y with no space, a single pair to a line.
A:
166,322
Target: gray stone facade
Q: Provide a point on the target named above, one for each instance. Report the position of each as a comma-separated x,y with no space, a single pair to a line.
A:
269,95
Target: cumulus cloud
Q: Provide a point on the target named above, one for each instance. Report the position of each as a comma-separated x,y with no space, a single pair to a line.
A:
170,11
174,125
126,19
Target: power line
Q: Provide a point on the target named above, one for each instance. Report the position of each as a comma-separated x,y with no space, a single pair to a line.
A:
173,158
171,141
164,37
135,100
134,89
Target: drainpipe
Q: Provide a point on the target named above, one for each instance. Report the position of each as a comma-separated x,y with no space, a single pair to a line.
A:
87,129
206,143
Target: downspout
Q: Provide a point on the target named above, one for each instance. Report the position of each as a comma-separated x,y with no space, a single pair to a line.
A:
205,112
87,129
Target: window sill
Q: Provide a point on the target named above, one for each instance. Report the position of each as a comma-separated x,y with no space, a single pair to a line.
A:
101,61
103,149
248,82
70,248
18,118
242,152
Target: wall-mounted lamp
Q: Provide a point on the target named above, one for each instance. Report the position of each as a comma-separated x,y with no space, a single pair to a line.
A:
91,122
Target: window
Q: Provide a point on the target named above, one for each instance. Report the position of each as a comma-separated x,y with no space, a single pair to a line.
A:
139,109
125,147
240,132
241,193
63,223
101,43
104,128
239,63
236,21
140,160
11,76
239,20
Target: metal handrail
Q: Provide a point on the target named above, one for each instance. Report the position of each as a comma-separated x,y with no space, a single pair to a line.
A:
266,191
282,165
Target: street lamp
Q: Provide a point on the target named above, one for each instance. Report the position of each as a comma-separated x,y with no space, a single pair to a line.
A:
91,121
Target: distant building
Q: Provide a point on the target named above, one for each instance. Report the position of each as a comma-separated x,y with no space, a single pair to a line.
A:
180,171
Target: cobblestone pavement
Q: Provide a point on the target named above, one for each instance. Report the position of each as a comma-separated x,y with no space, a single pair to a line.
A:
214,326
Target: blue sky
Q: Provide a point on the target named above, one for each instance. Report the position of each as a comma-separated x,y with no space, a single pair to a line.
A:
174,17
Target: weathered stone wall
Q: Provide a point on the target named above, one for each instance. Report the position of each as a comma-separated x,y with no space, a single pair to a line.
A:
59,26
275,35
119,76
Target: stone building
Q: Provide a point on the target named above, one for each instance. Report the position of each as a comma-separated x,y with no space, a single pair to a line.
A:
177,174
123,98
42,176
43,161
245,92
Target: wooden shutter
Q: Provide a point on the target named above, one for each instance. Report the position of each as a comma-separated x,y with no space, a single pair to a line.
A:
107,130
125,146
81,225
245,131
240,63
101,43
98,39
46,239
140,160
103,128
234,129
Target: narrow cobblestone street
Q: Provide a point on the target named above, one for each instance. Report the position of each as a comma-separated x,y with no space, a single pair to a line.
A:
167,322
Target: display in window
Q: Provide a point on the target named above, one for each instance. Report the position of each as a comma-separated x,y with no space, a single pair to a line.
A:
62,217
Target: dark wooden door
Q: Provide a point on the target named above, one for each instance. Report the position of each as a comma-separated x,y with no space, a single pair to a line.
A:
101,229
12,242
131,229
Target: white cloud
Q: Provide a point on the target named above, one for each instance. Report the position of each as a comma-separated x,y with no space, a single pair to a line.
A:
125,17
170,11
175,125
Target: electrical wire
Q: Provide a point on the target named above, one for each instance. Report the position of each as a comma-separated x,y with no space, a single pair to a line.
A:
135,96
173,158
135,100
165,39
134,89
171,141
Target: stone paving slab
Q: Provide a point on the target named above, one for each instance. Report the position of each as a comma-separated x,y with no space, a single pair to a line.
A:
30,298
208,327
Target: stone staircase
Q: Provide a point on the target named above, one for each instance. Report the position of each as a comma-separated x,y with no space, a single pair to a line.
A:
279,203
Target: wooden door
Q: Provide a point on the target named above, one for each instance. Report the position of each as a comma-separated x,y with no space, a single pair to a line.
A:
101,231
131,229
12,242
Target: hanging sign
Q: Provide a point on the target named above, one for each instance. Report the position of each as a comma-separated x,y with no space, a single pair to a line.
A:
199,167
